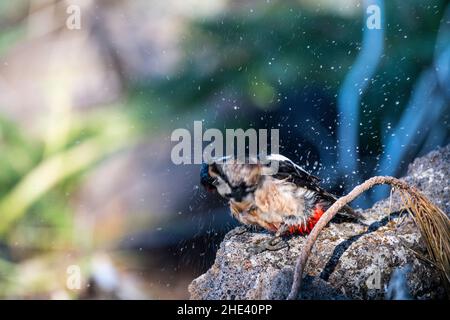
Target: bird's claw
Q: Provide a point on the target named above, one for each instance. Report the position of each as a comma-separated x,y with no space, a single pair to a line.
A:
272,244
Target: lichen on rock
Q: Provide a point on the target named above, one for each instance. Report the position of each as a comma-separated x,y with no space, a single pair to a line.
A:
349,260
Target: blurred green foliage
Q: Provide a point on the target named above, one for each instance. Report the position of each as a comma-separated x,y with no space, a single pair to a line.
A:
262,55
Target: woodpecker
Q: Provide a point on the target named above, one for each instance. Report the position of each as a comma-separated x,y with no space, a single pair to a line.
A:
287,202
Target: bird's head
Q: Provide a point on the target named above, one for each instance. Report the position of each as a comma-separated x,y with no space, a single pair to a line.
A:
232,180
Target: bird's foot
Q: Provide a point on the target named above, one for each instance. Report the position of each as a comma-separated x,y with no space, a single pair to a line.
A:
273,244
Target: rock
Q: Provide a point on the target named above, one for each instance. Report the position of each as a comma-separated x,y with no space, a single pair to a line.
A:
349,260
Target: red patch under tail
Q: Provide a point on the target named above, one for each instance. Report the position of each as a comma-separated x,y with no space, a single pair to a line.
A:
306,229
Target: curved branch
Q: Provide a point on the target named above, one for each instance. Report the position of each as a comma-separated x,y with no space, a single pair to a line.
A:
329,214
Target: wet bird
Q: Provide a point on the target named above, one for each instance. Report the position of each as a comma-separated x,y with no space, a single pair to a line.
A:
289,201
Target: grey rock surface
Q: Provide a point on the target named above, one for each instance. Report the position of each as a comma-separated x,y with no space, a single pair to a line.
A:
349,260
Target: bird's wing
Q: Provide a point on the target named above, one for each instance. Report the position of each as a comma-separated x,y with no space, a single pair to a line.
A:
288,170
292,172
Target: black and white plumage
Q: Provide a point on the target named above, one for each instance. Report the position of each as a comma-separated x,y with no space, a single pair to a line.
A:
288,201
